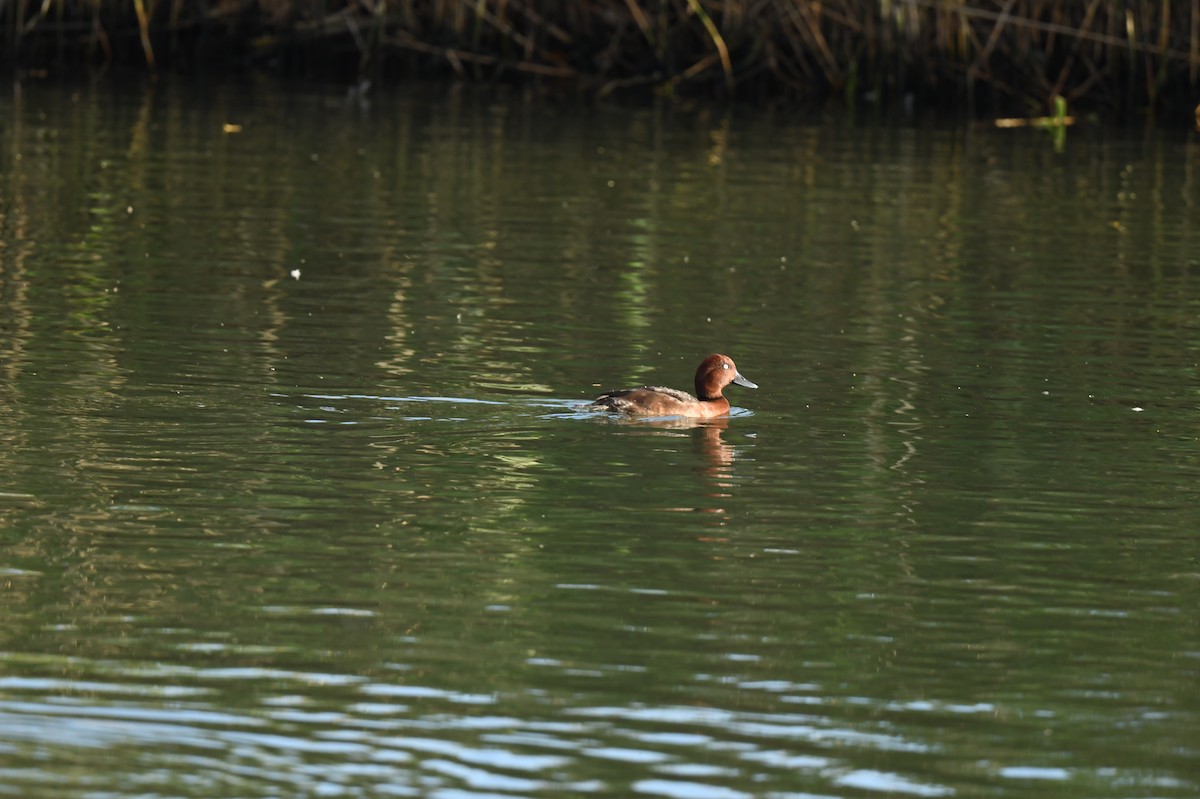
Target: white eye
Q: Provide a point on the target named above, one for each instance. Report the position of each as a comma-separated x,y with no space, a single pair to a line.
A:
724,366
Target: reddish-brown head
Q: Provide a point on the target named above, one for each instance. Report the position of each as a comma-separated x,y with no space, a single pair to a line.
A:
716,372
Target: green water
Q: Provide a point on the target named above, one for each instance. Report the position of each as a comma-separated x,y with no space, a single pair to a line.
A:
296,498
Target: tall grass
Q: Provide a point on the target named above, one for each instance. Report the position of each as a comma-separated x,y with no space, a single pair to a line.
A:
1115,53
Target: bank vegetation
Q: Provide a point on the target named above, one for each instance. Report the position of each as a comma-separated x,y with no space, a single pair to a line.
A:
1120,55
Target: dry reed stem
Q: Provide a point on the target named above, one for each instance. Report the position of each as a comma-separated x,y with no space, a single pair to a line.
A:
456,58
1128,40
717,39
1066,68
1194,38
993,37
642,21
143,19
548,26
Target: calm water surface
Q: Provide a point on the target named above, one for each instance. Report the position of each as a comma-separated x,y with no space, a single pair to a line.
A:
296,499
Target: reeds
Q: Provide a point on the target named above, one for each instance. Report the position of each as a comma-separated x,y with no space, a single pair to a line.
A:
1111,53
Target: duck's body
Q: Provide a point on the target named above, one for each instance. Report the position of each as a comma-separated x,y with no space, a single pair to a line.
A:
713,374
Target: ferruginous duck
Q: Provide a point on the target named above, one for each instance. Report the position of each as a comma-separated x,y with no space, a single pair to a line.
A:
713,374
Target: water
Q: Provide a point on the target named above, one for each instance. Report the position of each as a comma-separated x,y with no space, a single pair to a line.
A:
296,498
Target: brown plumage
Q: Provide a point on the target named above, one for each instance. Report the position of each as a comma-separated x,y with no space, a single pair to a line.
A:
713,374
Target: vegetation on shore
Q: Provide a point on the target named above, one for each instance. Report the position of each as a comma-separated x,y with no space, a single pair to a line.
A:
1109,54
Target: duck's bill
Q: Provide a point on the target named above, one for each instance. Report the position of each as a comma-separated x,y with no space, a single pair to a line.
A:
741,381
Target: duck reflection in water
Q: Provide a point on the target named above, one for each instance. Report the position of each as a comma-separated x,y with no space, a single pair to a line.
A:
714,464
706,415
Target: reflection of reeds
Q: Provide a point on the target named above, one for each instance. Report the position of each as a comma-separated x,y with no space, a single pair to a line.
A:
1103,49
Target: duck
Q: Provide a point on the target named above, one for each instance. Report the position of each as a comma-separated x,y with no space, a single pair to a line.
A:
714,373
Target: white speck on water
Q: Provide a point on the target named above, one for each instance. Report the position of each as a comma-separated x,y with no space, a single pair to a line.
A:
1137,409
295,273
1034,773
